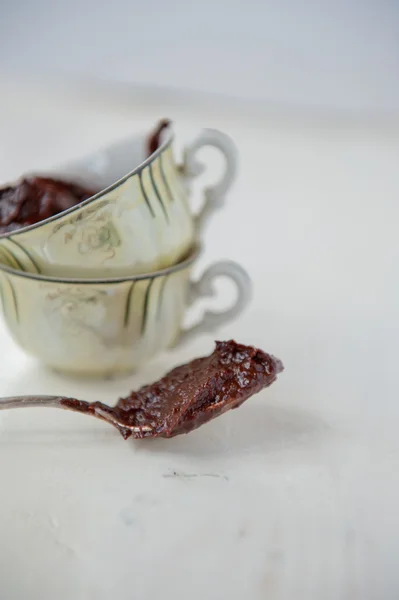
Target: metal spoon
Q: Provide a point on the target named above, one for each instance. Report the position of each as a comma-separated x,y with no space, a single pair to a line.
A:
80,406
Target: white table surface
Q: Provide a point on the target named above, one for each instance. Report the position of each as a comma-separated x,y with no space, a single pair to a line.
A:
294,496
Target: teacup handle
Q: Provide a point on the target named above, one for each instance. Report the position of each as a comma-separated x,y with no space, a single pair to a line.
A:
213,195
203,288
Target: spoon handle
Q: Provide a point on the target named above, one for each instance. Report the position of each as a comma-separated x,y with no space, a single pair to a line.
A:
30,401
97,410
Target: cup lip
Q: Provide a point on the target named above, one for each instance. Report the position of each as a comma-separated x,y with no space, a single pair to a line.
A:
169,137
183,264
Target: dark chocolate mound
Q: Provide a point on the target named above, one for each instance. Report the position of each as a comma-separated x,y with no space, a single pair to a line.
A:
192,394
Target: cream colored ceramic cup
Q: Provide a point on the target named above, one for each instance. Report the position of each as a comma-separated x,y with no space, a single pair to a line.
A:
105,327
140,224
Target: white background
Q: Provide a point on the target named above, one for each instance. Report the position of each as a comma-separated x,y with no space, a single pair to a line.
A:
318,54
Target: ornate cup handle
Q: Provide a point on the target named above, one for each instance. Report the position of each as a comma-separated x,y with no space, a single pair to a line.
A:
213,195
212,320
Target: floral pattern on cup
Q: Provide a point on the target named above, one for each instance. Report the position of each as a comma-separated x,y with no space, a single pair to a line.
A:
105,327
139,224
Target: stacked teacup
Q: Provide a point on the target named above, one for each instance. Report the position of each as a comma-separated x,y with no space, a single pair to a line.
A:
103,286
